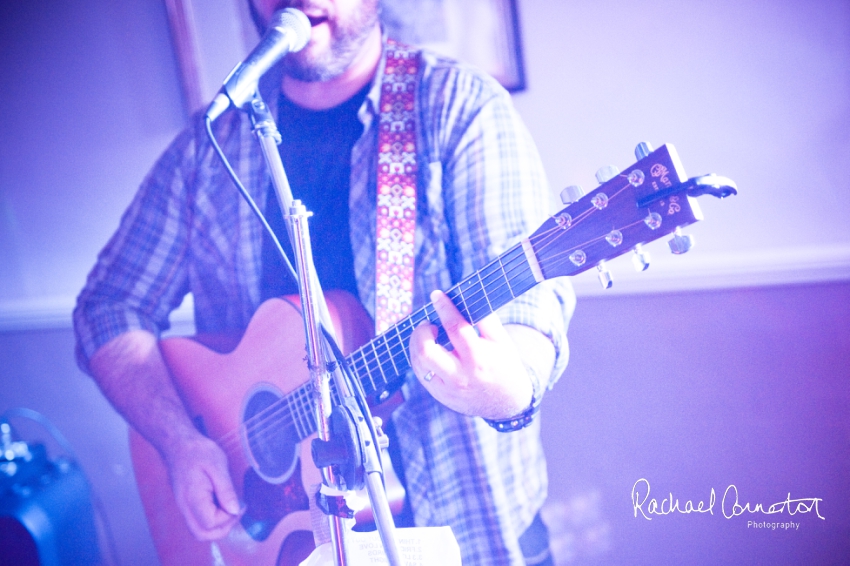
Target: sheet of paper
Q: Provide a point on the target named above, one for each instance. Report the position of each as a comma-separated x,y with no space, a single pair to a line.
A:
420,546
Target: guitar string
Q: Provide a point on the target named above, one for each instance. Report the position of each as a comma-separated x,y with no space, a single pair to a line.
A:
257,419
392,351
253,424
266,416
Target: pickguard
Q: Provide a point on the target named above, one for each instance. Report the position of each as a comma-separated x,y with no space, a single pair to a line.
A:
267,503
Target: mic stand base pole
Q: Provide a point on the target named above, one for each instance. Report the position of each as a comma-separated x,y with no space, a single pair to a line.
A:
297,218
381,507
314,309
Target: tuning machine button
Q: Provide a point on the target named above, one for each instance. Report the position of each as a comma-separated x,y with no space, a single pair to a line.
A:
642,150
572,194
607,173
681,243
641,258
604,275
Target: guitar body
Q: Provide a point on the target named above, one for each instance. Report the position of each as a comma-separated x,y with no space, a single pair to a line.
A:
217,389
253,401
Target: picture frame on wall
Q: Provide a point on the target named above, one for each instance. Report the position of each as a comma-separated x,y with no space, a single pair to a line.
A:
211,36
483,33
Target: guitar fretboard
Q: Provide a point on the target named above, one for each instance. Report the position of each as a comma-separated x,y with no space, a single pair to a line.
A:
639,205
381,364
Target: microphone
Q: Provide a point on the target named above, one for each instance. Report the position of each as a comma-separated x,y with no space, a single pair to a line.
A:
289,31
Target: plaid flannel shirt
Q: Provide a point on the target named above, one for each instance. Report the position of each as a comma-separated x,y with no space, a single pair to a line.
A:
481,187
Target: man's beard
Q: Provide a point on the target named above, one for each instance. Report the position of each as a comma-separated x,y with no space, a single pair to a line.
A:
346,41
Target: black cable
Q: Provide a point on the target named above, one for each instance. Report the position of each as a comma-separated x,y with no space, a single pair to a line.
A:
353,384
245,195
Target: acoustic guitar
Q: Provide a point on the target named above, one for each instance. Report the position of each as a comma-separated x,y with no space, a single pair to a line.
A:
255,400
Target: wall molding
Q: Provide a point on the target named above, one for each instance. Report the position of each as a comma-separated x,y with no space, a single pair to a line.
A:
54,313
696,271
691,272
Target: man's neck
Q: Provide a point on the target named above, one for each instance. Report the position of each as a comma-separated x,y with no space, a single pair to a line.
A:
321,95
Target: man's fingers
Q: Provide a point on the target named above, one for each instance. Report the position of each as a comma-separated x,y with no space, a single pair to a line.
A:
204,492
427,355
458,329
225,494
491,328
206,517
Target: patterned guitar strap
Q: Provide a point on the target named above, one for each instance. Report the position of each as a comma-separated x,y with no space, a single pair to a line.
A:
396,198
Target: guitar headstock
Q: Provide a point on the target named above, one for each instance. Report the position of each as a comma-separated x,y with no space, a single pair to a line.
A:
645,202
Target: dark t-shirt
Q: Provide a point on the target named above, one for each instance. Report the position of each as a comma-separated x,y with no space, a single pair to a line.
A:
316,153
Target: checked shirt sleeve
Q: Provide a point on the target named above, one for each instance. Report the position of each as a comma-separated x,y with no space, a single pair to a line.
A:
500,195
139,277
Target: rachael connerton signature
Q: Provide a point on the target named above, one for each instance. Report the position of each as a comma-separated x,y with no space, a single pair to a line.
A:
730,505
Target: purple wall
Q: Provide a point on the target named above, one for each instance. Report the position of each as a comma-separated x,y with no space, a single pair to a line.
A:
690,390
694,391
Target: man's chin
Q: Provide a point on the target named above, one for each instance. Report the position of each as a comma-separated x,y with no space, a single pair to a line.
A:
311,72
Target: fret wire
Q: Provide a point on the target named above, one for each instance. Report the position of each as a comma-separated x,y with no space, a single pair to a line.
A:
298,412
487,289
483,291
378,360
495,278
291,405
370,369
308,405
364,372
431,313
367,367
517,267
403,342
505,275
308,422
400,352
457,291
358,364
403,330
420,316
472,294
469,315
360,369
386,339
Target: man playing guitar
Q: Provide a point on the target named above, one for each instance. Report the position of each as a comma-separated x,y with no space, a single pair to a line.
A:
480,187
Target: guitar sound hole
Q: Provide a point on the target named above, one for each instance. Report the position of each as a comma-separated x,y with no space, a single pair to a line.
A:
270,434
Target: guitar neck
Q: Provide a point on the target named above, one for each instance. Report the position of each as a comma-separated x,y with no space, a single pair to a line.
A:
380,365
646,201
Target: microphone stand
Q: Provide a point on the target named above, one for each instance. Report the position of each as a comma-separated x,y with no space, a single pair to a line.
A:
361,453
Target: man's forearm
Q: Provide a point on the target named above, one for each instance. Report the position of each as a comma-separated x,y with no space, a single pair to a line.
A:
132,374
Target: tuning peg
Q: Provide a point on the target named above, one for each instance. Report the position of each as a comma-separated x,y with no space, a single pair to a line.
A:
572,194
607,173
642,150
641,258
604,275
681,243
